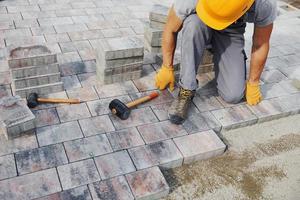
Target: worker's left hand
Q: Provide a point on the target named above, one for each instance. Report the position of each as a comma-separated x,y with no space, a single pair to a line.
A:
253,94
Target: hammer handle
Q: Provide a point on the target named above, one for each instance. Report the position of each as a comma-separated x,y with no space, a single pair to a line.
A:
52,100
142,100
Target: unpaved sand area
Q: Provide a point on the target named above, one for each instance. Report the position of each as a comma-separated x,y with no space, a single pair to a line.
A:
262,162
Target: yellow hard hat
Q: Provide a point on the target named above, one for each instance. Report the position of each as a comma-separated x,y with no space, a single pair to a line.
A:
219,14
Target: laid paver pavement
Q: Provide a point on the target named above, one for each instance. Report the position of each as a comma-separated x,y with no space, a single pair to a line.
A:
76,150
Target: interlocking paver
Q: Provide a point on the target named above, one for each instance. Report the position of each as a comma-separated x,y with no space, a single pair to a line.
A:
80,193
290,103
38,14
116,89
137,117
87,54
30,186
54,38
70,12
73,112
54,6
200,146
70,28
115,189
165,154
148,184
291,72
160,131
68,57
42,30
86,35
7,167
207,103
234,117
105,24
84,94
87,147
26,23
271,90
40,158
272,76
115,164
196,123
58,133
74,46
88,79
21,8
46,117
5,91
211,121
96,125
78,174
71,82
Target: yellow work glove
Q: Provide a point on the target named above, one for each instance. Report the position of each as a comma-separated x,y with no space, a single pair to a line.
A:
164,77
253,95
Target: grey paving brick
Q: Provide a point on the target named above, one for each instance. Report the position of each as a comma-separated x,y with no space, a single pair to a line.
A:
84,94
87,54
81,193
87,147
24,72
10,16
88,79
54,38
160,131
7,25
70,82
73,112
100,107
289,103
68,57
117,62
70,28
159,13
271,90
41,89
70,12
86,35
5,78
148,184
87,19
5,90
46,117
200,146
40,158
21,8
116,89
291,72
105,24
96,125
26,23
164,97
36,80
125,139
83,5
129,23
38,14
157,25
292,60
207,103
211,121
7,167
115,164
16,119
272,76
78,174
55,6
74,46
235,117
42,183
25,41
164,153
196,123
137,117
115,189
58,133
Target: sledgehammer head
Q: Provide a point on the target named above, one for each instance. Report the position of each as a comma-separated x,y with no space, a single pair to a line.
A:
118,108
32,100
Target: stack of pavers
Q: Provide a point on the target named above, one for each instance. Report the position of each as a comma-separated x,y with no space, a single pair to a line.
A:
16,118
154,30
119,59
34,69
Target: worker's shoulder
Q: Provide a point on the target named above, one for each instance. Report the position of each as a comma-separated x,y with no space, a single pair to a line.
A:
265,4
263,12
183,8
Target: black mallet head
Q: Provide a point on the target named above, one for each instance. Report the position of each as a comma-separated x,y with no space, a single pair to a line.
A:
32,100
118,108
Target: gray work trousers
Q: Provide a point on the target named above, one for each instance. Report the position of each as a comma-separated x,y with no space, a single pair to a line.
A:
229,56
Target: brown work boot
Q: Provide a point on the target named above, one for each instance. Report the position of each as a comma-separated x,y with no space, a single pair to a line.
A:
179,107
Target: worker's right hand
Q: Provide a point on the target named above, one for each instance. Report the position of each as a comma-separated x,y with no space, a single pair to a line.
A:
165,77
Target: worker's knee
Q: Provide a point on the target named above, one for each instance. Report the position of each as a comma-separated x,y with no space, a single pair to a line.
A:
232,97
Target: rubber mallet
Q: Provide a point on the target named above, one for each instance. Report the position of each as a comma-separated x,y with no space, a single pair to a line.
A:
122,110
33,100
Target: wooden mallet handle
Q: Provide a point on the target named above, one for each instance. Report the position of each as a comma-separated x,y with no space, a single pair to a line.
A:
52,100
139,101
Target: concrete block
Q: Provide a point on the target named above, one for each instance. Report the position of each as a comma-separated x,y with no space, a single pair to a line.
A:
117,62
71,82
7,167
154,42
196,123
42,89
207,103
159,13
114,90
152,49
46,117
200,146
76,193
84,94
36,80
157,25
96,125
164,153
41,158
16,118
272,76
78,174
148,184
115,188
34,71
73,112
114,164
87,147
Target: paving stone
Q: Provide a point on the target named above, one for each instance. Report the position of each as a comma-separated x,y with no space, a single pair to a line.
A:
81,193
73,112
115,164
72,68
78,174
58,133
159,13
148,184
291,72
117,48
289,103
46,117
70,12
96,125
137,117
271,90
84,94
38,14
71,82
207,103
87,147
119,62
235,117
196,123
42,89
83,5
200,146
20,8
160,131
272,76
125,139
26,23
116,89
70,28
34,71
105,24
55,6
55,38
145,83
211,121
40,158
5,91
100,107
7,167
87,54
164,97
74,46
42,183
34,81
88,79
115,189
164,153
16,119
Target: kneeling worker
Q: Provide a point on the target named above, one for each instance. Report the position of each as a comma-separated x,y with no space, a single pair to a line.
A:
221,24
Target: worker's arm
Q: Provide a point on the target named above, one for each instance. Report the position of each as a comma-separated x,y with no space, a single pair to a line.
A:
259,54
